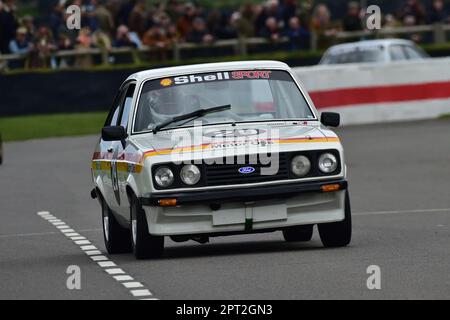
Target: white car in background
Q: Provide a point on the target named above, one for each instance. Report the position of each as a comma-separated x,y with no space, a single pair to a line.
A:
218,149
373,51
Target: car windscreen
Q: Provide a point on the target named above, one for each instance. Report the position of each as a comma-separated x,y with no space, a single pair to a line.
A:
358,55
262,95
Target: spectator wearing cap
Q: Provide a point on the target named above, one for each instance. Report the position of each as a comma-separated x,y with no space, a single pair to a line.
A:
299,37
22,46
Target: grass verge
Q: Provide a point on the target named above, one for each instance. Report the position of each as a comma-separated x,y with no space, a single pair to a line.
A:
49,126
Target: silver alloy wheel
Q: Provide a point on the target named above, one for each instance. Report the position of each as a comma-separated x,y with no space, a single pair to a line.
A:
106,226
133,230
133,223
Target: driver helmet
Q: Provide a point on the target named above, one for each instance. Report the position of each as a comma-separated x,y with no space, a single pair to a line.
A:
166,104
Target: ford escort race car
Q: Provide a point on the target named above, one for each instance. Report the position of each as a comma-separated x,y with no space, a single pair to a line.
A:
218,149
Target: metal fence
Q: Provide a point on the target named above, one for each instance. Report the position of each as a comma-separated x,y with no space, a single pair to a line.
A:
437,34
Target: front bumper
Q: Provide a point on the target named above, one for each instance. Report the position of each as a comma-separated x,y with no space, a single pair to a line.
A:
243,194
246,210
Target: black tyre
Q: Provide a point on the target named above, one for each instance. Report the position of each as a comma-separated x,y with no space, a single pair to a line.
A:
298,234
145,246
117,238
338,234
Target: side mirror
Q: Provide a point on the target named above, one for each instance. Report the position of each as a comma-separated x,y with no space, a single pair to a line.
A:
115,133
330,119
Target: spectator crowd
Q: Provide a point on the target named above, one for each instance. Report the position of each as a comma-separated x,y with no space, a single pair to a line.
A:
110,24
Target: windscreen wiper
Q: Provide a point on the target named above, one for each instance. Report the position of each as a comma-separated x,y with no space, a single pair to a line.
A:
193,115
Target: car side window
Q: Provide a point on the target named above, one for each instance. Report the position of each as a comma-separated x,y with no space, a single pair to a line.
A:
126,105
113,116
396,52
412,53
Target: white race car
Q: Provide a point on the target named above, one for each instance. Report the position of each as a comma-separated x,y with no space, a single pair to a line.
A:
218,149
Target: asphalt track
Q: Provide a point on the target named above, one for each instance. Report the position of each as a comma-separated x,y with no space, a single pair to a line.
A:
400,189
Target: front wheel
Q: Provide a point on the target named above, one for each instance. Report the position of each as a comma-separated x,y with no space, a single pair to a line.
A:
117,238
338,234
145,246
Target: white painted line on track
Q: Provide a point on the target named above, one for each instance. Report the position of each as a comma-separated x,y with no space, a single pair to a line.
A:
82,242
123,278
87,248
76,238
133,285
67,230
99,258
135,288
93,252
115,271
141,293
107,264
74,234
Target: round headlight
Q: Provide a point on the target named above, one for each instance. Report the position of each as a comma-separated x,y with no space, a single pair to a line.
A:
164,177
300,166
190,174
328,163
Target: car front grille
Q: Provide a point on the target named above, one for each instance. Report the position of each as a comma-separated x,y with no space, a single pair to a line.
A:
221,173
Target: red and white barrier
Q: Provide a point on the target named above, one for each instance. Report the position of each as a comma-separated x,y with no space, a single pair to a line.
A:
364,93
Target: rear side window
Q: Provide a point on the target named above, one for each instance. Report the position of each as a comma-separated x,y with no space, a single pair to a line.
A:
397,53
357,55
413,53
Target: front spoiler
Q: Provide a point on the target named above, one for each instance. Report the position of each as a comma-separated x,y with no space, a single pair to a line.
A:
243,194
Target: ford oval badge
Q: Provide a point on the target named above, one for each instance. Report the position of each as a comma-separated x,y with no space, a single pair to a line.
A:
247,170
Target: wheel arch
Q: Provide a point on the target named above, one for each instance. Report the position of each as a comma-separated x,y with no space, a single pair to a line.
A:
131,188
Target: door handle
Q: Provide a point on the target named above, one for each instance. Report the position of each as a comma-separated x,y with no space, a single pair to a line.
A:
110,150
